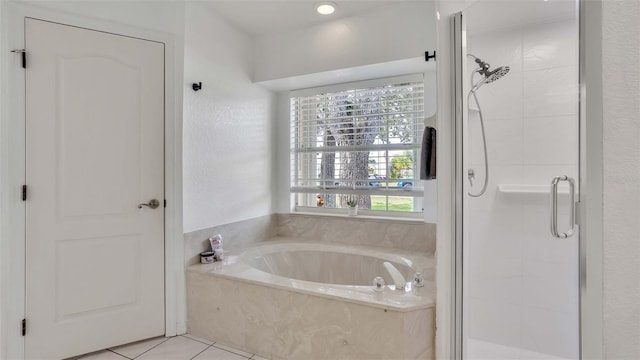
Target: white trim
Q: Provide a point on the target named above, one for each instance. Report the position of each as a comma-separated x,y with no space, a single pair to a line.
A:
458,31
12,164
445,231
304,148
591,181
370,214
12,177
353,74
370,83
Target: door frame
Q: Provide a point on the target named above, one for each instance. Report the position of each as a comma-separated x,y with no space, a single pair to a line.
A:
590,195
458,33
13,164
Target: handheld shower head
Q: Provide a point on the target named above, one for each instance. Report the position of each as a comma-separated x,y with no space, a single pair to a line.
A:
490,76
496,74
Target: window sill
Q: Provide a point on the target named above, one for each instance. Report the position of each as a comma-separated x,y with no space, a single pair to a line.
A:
359,217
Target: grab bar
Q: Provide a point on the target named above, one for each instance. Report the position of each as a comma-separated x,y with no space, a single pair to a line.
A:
554,207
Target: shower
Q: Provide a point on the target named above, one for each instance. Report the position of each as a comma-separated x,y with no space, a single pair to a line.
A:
517,289
489,76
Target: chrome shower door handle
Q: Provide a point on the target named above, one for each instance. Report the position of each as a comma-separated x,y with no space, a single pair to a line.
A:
554,207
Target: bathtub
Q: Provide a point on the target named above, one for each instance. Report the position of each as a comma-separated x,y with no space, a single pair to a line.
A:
302,300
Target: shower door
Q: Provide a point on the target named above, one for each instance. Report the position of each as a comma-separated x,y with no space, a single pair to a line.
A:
517,170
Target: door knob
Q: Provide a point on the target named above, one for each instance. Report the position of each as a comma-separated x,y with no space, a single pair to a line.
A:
154,203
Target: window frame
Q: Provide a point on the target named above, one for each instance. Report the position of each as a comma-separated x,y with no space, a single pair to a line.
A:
417,192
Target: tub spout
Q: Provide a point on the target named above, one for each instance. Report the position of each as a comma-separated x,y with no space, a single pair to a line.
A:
396,276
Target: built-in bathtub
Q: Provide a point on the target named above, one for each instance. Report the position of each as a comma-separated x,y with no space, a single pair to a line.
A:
301,300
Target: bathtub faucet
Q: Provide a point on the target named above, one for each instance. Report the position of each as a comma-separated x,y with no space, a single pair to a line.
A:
396,276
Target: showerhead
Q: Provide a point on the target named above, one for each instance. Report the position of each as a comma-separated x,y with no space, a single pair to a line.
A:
491,76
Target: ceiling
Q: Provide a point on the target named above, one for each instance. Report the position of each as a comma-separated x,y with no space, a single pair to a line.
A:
257,17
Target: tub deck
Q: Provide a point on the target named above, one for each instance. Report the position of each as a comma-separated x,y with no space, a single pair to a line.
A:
412,298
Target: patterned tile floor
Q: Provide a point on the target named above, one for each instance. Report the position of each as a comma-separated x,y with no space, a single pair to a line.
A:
185,347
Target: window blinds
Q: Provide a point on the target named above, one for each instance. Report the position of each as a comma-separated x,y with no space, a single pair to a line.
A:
358,141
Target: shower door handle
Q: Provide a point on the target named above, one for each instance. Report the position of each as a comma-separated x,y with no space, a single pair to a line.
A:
554,207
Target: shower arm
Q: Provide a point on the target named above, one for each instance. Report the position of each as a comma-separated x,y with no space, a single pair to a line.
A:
483,67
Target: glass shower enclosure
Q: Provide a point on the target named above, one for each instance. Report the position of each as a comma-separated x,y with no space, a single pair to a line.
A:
517,175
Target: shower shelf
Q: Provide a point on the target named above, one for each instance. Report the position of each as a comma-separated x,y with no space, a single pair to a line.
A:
528,189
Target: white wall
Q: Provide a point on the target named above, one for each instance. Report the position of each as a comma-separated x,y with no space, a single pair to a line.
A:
319,56
621,198
228,126
160,15
3,167
402,31
282,164
521,284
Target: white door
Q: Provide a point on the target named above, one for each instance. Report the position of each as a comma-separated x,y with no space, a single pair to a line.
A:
95,140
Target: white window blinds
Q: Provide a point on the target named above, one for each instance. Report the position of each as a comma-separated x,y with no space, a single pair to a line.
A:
361,142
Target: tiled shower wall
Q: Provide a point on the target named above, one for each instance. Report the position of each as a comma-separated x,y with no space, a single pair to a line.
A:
521,282
360,231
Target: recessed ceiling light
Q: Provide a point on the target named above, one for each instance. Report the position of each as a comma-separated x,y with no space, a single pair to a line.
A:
326,8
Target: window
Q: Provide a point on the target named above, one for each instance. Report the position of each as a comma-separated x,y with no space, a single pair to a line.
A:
358,141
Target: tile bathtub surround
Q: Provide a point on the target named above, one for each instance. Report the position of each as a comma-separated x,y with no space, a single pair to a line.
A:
281,324
389,233
397,234
239,234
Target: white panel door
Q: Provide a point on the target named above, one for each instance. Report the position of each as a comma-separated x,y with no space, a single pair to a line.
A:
95,140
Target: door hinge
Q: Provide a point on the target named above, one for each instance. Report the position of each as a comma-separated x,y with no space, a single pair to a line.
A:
165,202
24,327
24,192
428,57
23,54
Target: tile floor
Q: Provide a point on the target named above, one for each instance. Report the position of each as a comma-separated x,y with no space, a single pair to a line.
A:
184,347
